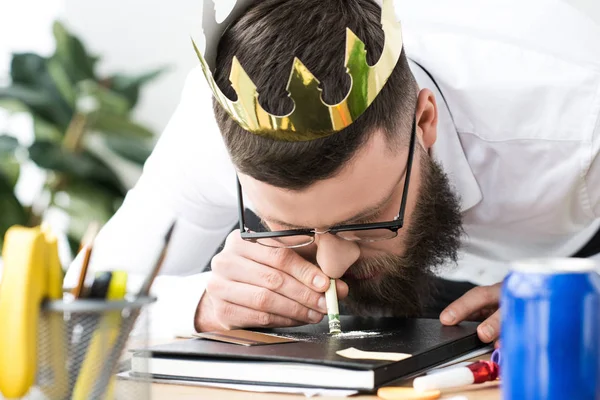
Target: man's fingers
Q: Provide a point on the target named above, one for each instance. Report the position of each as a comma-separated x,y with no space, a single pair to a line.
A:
471,302
489,330
285,260
255,274
262,300
293,264
234,316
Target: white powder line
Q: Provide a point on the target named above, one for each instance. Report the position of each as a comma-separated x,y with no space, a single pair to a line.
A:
342,335
354,334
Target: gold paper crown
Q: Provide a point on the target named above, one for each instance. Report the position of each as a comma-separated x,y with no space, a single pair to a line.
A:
311,118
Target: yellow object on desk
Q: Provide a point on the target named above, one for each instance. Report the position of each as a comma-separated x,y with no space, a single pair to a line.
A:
406,393
29,276
104,338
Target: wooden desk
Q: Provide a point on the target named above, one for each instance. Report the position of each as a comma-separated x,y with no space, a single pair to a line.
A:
485,391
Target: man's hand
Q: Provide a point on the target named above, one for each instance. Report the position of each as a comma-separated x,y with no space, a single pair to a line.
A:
477,304
256,286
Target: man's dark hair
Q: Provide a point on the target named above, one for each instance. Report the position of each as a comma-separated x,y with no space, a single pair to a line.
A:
265,40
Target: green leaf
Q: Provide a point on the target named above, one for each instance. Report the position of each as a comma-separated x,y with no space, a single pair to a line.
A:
27,68
23,95
11,211
132,149
30,73
94,60
11,169
8,162
62,81
12,105
39,103
72,54
81,166
138,80
86,202
46,131
85,61
109,102
129,86
120,126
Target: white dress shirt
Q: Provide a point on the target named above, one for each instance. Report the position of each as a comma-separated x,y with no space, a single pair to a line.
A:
518,136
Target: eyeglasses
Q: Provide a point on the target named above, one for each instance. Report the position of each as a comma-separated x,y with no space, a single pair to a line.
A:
371,232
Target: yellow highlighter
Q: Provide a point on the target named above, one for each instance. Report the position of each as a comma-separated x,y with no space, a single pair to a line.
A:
24,286
103,340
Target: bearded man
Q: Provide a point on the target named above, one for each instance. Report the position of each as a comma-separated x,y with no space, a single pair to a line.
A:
480,148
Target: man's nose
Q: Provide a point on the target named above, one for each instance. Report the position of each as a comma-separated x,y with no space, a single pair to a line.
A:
335,255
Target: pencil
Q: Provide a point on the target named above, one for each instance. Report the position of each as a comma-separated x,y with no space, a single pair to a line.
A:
87,243
333,312
145,288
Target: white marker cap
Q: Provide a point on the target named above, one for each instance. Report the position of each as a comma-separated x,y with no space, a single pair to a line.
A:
453,377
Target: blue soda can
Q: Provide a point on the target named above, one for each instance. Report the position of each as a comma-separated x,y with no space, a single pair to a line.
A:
550,334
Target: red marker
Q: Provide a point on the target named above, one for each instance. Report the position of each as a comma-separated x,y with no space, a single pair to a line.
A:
478,372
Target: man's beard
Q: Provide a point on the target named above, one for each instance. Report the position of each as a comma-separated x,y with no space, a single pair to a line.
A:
403,284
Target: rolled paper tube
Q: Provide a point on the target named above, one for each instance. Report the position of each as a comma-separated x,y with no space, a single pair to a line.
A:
333,312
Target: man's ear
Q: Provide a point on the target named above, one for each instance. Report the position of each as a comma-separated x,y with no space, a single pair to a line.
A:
426,118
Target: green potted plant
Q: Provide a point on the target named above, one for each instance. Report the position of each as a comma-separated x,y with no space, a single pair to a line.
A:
78,116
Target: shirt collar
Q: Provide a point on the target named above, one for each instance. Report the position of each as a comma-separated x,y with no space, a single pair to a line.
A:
448,150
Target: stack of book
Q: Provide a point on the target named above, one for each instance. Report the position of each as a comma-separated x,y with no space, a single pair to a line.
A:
311,358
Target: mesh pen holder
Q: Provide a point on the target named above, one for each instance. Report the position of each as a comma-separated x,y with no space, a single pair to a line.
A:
83,344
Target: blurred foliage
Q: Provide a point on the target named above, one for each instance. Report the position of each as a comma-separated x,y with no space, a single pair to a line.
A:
68,101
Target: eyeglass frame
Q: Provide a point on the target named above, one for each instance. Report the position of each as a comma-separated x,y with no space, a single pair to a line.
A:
393,225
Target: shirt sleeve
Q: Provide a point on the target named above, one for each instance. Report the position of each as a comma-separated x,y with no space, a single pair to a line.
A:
188,178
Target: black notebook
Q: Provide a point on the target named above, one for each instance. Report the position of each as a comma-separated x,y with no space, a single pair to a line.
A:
313,361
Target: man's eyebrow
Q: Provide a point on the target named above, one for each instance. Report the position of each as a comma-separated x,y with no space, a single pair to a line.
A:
366,214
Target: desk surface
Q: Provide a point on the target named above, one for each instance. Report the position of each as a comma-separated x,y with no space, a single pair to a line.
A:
485,391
